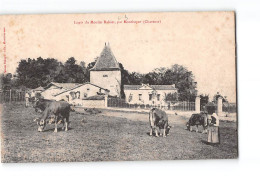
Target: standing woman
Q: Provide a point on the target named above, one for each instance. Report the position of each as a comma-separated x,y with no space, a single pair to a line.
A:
213,129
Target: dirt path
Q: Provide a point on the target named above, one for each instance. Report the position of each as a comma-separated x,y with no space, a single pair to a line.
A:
144,117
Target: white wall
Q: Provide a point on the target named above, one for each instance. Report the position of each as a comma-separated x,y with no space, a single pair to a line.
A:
50,92
145,96
112,82
93,103
87,89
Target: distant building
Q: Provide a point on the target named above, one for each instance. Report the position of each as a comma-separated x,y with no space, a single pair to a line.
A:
72,92
105,78
38,90
148,94
82,91
54,88
106,73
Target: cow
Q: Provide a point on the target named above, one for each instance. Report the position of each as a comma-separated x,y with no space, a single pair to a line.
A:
40,104
196,120
57,111
158,118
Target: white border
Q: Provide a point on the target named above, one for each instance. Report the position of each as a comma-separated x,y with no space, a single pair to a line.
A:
248,29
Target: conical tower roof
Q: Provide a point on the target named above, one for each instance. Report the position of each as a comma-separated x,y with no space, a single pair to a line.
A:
106,61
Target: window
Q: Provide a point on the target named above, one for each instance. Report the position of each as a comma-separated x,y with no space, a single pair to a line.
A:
105,75
150,96
140,97
78,94
158,97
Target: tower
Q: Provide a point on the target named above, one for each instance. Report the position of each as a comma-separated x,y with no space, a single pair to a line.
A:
106,73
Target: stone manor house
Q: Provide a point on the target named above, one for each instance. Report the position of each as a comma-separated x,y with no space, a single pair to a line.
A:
105,79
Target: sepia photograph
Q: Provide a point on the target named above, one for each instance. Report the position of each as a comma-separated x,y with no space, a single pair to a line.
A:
118,87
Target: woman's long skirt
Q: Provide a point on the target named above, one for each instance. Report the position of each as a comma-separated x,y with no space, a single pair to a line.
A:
213,135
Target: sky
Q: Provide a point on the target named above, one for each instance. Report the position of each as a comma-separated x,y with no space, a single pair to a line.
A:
204,42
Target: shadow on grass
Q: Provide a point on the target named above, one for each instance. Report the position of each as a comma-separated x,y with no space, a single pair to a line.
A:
59,129
211,144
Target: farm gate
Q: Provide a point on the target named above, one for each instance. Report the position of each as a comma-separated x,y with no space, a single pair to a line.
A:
12,96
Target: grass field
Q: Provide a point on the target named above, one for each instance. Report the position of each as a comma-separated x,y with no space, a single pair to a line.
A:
107,136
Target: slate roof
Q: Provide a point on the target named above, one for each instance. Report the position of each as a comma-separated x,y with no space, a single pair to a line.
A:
155,87
106,61
39,89
80,86
66,86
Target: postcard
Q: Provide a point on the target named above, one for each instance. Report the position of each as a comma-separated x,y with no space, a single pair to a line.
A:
118,87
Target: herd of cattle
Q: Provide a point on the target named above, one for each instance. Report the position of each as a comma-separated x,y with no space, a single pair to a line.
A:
59,111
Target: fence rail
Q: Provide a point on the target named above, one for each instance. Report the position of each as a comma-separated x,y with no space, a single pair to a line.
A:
12,96
176,106
230,108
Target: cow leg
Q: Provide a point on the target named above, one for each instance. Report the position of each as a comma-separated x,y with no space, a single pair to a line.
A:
204,130
66,125
156,132
63,123
197,129
164,135
190,128
56,125
160,132
151,131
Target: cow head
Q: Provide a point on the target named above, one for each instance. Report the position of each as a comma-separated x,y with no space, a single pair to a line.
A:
188,125
35,103
72,108
41,124
167,131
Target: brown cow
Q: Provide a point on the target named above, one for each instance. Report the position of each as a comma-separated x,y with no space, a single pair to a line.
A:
196,120
158,118
57,111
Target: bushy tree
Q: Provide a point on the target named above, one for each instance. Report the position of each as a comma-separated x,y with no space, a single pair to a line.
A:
204,99
33,73
171,97
178,75
217,95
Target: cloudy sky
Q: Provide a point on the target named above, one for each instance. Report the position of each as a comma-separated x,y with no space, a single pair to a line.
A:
204,42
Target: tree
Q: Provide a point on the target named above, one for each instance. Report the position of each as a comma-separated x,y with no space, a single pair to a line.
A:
74,73
181,77
171,97
33,73
135,78
151,78
204,99
90,66
217,95
6,81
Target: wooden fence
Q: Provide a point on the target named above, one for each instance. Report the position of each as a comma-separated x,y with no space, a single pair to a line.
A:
12,96
176,106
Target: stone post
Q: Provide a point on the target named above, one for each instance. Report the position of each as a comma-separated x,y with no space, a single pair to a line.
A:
106,100
219,110
197,104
